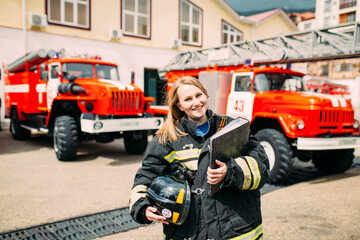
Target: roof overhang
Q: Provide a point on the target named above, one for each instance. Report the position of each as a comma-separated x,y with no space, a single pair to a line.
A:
235,14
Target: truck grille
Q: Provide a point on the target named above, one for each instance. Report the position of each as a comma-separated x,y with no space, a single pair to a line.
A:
334,119
126,101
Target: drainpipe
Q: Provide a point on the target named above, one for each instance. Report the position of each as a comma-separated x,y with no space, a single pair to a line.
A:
24,29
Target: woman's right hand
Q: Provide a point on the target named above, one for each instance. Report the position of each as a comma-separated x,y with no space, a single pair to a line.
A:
152,214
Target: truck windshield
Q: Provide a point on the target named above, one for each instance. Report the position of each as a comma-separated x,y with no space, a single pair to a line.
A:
73,71
106,72
278,81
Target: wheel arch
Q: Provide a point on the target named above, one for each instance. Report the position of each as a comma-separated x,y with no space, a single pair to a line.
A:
262,122
68,107
15,106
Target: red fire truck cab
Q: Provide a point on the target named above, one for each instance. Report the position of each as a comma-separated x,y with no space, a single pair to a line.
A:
75,99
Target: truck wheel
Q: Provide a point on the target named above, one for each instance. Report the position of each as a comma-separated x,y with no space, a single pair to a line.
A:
279,153
136,141
334,161
65,138
16,130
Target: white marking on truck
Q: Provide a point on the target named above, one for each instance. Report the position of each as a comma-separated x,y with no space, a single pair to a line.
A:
18,88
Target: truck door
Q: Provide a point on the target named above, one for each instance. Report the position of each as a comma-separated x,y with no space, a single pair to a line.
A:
240,101
54,81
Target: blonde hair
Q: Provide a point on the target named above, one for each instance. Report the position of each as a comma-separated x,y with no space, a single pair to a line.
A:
169,131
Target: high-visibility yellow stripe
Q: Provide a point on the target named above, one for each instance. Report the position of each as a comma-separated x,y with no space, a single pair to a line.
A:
138,188
247,174
183,155
252,235
255,171
164,235
171,156
180,197
137,193
175,217
191,165
135,197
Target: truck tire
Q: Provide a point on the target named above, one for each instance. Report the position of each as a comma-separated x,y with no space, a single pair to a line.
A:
136,141
279,153
333,161
16,130
65,138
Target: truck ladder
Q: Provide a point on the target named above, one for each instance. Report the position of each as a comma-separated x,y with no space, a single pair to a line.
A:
337,42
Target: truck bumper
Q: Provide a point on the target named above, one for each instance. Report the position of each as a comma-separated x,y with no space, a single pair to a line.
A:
332,143
96,125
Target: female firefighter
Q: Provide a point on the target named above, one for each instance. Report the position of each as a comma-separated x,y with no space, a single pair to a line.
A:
180,149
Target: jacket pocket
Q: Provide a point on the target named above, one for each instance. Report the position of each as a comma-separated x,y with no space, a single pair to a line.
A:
239,225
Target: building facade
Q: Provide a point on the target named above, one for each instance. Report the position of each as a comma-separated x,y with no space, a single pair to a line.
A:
139,35
333,13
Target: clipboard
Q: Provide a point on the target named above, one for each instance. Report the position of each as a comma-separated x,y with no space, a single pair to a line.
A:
230,141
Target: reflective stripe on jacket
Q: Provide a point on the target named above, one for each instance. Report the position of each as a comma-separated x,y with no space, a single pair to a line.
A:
231,213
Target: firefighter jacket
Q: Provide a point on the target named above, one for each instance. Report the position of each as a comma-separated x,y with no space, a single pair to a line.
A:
231,213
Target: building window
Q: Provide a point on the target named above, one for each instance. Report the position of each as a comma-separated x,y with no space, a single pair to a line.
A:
190,23
136,18
351,16
74,13
230,34
327,6
344,67
307,26
324,70
347,3
327,21
347,17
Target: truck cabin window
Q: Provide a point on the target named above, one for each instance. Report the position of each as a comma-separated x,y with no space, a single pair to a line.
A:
72,71
277,82
243,83
106,72
55,71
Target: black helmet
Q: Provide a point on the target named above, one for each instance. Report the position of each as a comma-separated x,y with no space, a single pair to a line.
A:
172,198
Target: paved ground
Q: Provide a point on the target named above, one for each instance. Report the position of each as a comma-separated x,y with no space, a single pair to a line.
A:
36,188
325,208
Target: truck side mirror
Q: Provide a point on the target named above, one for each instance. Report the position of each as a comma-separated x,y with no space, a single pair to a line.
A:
132,77
44,75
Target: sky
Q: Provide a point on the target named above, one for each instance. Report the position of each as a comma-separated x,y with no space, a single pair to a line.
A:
245,6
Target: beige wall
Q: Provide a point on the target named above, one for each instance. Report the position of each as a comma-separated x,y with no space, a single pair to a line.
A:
11,13
315,68
274,26
105,14
213,14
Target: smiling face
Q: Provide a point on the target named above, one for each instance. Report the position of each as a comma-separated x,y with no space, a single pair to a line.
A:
193,102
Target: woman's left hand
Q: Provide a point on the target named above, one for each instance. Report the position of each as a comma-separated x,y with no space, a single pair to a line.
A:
215,176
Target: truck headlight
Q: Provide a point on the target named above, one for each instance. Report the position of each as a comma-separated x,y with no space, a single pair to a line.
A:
98,125
300,125
356,124
157,122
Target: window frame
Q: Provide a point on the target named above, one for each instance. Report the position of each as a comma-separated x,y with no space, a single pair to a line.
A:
327,6
136,14
191,25
236,33
62,21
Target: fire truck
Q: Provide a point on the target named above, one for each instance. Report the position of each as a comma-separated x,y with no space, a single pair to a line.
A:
75,99
289,121
316,84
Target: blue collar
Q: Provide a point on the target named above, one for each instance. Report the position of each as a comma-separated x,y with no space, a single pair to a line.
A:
202,129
